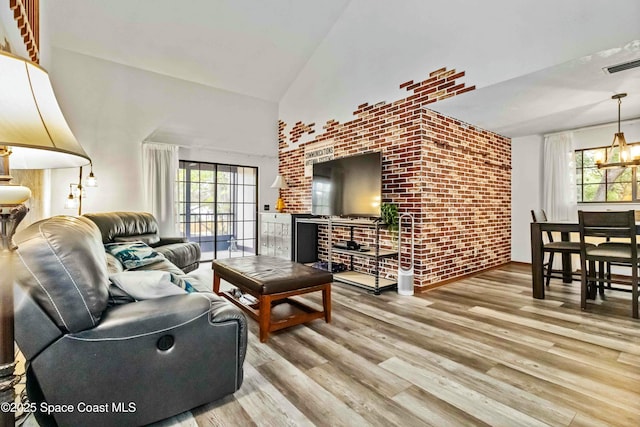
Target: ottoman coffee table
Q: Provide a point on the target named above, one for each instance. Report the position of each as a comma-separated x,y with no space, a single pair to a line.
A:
272,282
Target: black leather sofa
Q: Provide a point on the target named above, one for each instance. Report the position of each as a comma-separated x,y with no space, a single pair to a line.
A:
97,364
142,226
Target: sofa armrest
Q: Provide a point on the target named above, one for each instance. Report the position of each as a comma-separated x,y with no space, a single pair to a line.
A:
221,312
186,256
165,356
160,315
171,240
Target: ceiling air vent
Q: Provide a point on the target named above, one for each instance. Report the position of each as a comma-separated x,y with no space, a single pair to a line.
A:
621,67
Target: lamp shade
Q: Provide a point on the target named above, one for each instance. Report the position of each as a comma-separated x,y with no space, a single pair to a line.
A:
31,122
279,182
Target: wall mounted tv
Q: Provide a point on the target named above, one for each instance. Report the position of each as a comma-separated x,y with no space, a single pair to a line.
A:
348,186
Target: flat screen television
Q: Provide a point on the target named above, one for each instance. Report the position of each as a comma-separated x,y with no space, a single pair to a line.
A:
348,186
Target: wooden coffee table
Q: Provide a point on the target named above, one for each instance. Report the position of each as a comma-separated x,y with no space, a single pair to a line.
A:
272,282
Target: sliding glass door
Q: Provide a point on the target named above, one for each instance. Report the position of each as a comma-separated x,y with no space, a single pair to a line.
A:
218,208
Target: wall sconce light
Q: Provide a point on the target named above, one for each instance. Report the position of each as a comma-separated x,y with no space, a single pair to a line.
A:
91,179
77,191
71,202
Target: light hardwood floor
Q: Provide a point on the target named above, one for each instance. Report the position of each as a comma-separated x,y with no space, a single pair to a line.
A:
480,351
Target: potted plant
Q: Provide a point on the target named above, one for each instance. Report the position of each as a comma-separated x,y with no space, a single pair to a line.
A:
389,214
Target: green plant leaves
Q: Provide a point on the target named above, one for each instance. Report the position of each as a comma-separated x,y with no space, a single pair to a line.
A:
389,212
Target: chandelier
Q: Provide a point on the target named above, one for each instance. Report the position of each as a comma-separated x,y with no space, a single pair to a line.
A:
626,155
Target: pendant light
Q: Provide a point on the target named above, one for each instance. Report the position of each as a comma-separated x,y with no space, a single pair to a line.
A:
625,157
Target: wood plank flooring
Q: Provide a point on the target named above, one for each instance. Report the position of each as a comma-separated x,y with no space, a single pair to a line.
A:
480,351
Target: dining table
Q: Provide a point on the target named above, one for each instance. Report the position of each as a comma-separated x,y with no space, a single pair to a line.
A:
565,228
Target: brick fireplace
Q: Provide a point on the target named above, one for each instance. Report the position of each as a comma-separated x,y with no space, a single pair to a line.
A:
454,178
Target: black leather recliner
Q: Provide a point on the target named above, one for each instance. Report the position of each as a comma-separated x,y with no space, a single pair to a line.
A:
143,226
128,364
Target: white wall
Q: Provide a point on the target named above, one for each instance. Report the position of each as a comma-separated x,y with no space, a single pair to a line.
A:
526,192
112,108
527,177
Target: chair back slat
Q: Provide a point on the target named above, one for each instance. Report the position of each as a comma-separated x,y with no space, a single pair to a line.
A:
608,224
600,231
608,219
541,216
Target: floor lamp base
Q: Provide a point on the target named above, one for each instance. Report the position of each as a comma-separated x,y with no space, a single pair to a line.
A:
10,217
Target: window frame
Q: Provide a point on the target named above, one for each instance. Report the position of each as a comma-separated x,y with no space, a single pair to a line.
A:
580,185
185,201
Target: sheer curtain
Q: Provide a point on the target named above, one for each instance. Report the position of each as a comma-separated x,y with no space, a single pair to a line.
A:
559,198
160,171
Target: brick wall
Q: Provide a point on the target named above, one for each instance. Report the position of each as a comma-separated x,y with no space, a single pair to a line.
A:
453,177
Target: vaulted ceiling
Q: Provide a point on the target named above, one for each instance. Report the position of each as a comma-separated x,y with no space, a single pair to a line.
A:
259,47
251,47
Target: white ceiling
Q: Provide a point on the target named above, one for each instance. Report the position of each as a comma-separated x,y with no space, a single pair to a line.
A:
258,48
254,48
567,96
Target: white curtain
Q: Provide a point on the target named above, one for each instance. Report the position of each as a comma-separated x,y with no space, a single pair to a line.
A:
160,169
559,198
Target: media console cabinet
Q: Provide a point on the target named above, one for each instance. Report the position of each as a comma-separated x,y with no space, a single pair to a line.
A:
371,282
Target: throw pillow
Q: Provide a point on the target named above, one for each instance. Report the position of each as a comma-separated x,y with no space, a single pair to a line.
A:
146,284
183,283
133,254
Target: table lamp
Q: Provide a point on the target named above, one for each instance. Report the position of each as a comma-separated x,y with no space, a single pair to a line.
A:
280,184
33,135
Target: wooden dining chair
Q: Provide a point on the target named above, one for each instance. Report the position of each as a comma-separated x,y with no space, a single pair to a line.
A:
552,247
608,225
